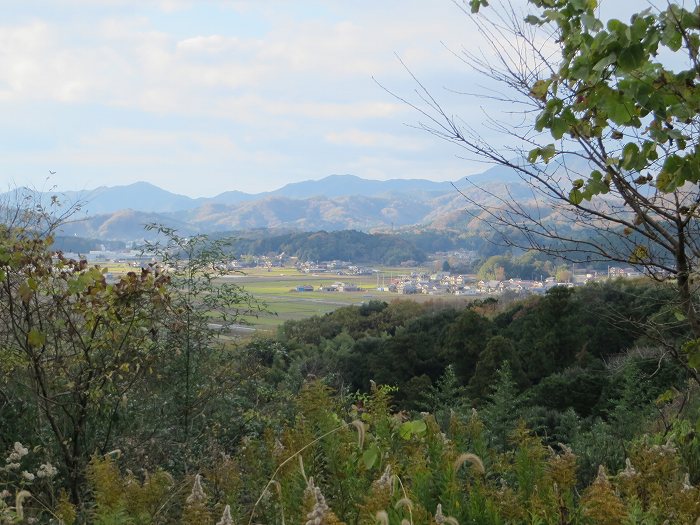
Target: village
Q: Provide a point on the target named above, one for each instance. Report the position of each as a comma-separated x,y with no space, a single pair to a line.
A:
404,281
447,283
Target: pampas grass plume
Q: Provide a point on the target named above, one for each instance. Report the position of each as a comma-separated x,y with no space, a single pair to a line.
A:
360,426
469,458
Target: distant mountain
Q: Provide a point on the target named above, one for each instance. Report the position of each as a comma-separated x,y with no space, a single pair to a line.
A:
345,185
336,202
142,196
123,225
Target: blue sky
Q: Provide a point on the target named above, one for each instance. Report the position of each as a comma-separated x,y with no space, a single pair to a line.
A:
205,96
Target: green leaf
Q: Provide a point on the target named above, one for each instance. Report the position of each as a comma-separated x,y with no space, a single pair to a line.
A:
591,23
595,186
631,57
370,456
534,155
539,89
692,349
668,179
630,156
476,4
36,338
412,428
618,112
679,315
605,62
575,196
671,37
615,26
666,397
665,182
548,152
559,127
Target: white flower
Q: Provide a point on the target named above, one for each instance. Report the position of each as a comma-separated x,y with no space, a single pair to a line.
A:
19,449
12,466
46,470
27,475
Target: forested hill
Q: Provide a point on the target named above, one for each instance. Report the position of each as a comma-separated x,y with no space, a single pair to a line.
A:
346,245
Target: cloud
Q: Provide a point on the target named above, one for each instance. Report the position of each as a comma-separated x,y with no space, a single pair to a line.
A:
174,86
368,139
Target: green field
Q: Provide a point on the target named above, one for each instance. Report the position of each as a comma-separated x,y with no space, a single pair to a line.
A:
277,289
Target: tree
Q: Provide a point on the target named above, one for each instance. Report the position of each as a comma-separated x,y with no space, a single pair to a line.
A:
202,309
498,350
73,346
502,409
608,138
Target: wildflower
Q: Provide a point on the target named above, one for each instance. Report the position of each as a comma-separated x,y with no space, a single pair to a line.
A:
4,494
197,493
226,518
46,470
20,450
12,466
28,476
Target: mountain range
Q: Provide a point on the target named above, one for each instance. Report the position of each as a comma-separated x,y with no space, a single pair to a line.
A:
336,202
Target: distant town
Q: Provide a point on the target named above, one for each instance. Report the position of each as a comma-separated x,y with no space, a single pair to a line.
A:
402,282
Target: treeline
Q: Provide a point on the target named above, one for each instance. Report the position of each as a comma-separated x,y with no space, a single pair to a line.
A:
82,245
346,245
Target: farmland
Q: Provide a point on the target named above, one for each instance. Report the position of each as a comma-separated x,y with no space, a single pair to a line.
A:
277,290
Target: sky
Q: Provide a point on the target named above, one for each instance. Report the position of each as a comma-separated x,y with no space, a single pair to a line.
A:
205,96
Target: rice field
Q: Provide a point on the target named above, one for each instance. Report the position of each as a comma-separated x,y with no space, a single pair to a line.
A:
277,289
